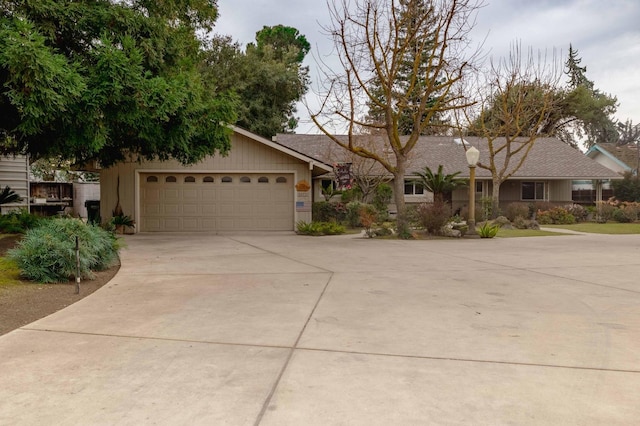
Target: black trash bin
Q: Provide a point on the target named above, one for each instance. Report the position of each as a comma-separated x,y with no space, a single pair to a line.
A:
93,211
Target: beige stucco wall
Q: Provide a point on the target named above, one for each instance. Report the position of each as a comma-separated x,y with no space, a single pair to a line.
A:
245,155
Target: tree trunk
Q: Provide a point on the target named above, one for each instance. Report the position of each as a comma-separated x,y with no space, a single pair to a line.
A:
495,198
398,195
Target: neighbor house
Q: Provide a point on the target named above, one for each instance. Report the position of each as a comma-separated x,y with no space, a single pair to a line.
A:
259,186
546,175
619,158
14,173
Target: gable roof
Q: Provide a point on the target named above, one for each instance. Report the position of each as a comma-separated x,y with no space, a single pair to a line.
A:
318,165
623,155
549,158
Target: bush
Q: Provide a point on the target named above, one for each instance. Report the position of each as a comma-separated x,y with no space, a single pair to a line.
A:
579,212
538,206
46,254
352,194
353,214
556,215
324,211
517,209
319,228
433,216
18,222
381,199
632,210
627,189
605,211
619,215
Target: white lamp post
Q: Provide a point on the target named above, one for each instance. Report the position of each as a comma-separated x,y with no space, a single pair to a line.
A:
473,155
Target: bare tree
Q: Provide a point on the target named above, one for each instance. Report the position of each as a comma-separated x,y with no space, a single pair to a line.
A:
375,41
515,104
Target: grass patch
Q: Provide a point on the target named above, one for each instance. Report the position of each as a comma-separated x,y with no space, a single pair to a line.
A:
516,233
9,272
613,228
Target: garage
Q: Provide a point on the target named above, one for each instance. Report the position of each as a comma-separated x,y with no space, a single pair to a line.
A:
201,201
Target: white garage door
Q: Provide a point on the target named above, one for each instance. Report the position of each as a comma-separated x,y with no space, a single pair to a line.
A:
216,202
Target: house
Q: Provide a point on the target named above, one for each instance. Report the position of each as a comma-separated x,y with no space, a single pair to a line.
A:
269,185
259,186
14,173
619,158
546,175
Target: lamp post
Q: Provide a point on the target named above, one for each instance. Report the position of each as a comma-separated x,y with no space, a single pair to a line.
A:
473,155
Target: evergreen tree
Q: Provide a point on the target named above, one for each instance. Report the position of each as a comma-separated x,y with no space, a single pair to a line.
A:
109,80
586,112
268,78
415,27
575,72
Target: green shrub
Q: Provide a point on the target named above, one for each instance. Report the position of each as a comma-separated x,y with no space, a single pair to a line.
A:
627,189
433,216
46,253
488,230
619,215
352,194
381,199
319,228
18,222
324,211
517,209
353,214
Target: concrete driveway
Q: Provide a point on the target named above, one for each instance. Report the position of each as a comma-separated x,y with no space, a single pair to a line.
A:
278,329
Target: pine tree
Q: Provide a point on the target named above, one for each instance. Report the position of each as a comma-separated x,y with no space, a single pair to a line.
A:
575,72
418,40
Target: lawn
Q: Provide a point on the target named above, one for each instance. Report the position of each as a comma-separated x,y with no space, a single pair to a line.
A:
516,233
600,228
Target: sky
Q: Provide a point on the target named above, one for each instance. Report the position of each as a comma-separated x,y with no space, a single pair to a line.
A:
605,33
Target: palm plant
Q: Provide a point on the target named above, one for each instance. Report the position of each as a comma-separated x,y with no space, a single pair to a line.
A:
439,183
9,196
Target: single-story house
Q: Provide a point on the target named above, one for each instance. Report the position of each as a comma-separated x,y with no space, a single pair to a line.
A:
546,175
259,186
14,173
269,185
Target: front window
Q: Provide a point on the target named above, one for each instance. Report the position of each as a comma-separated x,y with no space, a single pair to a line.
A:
532,190
413,188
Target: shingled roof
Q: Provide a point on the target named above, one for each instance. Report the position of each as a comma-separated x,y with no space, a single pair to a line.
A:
548,159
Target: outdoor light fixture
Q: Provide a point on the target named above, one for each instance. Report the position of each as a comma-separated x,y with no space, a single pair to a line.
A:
473,155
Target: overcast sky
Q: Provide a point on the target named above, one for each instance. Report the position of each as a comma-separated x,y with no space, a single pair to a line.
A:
605,33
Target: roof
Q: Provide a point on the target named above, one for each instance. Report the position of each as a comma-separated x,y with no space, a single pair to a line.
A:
626,156
318,165
549,158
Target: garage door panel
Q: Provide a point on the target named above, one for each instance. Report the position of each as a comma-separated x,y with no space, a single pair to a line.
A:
172,209
171,194
190,194
190,209
217,205
172,224
190,224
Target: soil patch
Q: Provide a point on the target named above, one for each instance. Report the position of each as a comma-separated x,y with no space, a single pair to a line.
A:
23,303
